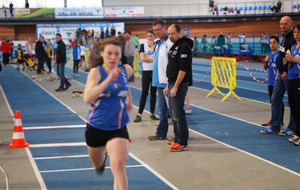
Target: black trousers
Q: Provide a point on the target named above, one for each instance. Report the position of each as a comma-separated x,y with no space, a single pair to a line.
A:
146,85
5,58
293,87
49,64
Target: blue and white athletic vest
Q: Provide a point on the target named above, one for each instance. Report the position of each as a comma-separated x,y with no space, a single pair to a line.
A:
294,71
272,69
109,111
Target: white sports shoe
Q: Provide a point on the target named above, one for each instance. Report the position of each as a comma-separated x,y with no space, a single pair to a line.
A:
295,139
188,112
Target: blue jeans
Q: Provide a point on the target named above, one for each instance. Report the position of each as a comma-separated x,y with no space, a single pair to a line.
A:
176,107
162,110
277,107
61,73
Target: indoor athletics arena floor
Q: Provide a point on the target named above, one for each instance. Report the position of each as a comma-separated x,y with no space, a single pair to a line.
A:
226,150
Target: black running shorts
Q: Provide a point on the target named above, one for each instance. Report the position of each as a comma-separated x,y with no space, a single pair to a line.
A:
96,137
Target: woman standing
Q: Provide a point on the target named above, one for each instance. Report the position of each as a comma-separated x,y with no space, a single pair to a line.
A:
107,91
293,83
147,56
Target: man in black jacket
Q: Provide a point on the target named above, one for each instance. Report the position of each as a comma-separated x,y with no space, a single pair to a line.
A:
40,54
61,60
179,73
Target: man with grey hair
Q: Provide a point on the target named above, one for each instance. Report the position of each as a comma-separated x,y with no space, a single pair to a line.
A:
159,77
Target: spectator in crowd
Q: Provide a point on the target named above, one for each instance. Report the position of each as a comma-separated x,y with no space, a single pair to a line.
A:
49,52
11,9
20,57
129,51
60,61
6,49
76,57
293,60
72,44
26,4
271,62
286,25
159,77
123,59
147,56
179,75
82,54
264,43
4,11
102,34
204,44
40,54
136,41
113,31
221,43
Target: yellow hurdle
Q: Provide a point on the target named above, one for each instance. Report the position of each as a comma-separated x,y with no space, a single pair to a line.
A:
223,74
136,65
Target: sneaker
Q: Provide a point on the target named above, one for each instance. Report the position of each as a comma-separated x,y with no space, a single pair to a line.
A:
188,112
171,143
171,138
138,118
156,138
286,132
178,147
268,131
268,123
154,117
282,127
67,86
297,143
294,139
102,168
59,89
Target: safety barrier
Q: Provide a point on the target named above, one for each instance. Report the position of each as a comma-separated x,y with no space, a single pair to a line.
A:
223,74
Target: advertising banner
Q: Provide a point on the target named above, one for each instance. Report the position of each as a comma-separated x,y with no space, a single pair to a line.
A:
124,12
79,12
68,31
34,13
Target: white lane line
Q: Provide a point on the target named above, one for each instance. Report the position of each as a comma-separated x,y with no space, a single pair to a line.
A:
243,151
54,127
84,169
61,157
36,170
154,172
49,145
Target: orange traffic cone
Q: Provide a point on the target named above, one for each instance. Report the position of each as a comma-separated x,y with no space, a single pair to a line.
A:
18,140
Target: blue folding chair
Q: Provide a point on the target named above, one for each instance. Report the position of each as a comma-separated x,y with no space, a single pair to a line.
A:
264,7
294,6
269,7
255,8
250,8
